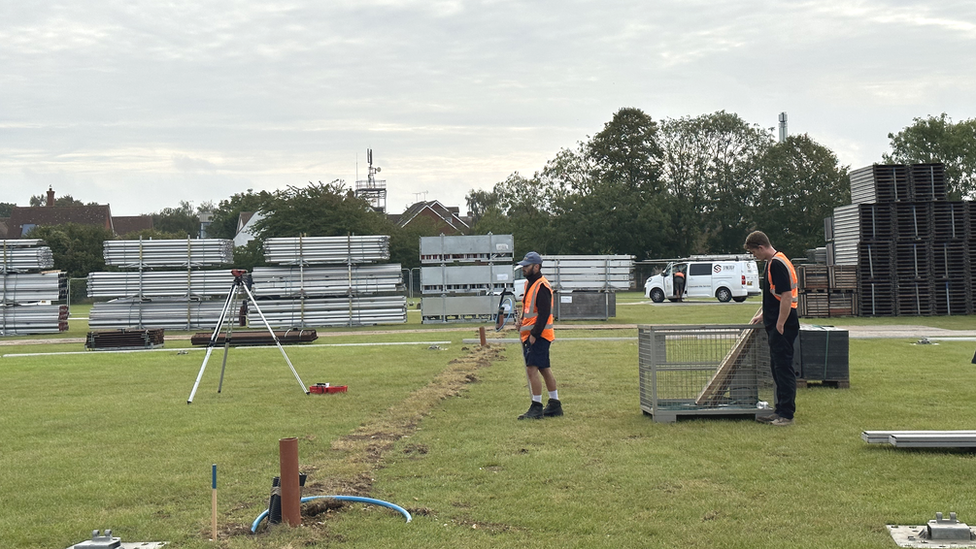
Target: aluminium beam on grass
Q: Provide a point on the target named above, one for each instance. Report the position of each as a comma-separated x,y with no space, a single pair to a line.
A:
884,437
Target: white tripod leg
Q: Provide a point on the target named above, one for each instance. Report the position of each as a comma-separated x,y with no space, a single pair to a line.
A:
213,341
275,337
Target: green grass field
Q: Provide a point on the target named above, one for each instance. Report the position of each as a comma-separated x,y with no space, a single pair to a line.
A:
106,440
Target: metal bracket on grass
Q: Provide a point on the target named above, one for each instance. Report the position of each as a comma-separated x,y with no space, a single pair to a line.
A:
107,541
940,532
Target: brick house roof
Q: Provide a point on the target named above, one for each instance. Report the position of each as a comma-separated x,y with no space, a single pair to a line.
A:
23,219
446,217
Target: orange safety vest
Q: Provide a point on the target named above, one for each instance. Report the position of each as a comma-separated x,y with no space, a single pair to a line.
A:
530,311
780,256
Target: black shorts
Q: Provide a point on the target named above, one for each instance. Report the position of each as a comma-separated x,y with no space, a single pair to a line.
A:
536,354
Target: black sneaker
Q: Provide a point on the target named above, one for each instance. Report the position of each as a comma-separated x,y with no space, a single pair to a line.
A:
553,408
767,419
534,412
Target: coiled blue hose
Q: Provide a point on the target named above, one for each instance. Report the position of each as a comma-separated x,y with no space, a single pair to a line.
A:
395,507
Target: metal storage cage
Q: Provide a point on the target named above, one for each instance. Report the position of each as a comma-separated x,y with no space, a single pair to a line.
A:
689,371
464,293
467,279
584,305
487,248
458,308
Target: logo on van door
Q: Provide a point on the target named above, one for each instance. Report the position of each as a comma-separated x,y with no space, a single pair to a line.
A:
717,268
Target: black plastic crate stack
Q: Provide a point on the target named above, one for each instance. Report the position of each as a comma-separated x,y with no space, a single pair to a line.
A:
913,260
928,182
951,269
876,288
920,267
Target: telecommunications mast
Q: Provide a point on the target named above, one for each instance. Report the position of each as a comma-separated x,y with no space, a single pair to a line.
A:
372,190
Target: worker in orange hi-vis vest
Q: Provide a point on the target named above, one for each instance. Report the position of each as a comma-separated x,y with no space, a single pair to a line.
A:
537,335
778,313
679,283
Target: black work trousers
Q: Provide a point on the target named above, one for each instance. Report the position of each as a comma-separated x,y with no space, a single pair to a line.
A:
781,364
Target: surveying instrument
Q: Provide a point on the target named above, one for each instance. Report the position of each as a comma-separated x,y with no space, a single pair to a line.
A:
242,280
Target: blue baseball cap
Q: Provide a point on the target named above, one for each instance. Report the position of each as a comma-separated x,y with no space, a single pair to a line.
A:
531,258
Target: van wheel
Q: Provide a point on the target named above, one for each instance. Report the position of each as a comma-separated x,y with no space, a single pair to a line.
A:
657,295
723,294
740,299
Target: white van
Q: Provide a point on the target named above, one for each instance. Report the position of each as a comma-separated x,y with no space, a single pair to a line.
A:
726,278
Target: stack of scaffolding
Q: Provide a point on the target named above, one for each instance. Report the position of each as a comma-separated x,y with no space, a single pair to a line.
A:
911,246
330,281
463,276
28,292
586,285
155,295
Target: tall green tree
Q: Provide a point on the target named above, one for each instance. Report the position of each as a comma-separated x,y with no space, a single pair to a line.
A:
801,184
711,167
6,208
518,206
320,209
182,221
77,249
939,139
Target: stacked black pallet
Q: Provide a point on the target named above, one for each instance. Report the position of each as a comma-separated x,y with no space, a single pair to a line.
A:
928,182
913,261
875,289
876,224
951,270
919,263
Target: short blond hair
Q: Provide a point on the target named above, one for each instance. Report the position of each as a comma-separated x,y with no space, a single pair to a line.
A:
757,239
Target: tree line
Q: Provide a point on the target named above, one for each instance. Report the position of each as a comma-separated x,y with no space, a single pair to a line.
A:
640,187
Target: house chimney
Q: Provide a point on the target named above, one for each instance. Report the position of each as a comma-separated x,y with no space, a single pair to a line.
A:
50,197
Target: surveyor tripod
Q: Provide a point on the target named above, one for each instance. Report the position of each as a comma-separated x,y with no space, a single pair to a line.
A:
242,281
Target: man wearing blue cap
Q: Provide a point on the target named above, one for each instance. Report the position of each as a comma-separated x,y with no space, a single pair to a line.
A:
537,335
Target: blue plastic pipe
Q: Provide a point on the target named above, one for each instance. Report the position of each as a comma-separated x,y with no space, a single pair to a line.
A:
357,499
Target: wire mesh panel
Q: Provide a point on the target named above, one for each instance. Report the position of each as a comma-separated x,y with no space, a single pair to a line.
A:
704,370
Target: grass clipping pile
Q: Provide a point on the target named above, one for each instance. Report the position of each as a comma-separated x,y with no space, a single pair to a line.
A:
361,452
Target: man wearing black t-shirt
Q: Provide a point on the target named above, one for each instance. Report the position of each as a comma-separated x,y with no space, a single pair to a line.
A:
778,314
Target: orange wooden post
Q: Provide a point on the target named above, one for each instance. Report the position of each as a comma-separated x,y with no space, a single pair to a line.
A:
291,494
481,333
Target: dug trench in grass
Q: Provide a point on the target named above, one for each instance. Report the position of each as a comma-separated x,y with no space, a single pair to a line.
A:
357,455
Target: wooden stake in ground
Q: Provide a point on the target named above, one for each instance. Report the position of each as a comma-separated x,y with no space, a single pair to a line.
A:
213,503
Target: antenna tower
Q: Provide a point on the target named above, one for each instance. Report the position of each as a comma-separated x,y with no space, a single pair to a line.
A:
371,189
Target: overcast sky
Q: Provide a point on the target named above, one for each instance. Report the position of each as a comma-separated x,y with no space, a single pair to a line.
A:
141,104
